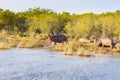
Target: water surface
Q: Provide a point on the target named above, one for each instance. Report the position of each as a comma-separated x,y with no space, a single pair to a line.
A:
40,64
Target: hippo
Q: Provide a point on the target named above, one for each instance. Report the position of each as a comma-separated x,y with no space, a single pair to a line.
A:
117,44
84,40
58,38
105,42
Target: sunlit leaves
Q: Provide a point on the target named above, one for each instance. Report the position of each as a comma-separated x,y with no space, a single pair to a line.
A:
46,21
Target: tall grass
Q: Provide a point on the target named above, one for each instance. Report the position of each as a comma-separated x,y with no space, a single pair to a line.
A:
9,41
30,43
4,45
68,48
76,48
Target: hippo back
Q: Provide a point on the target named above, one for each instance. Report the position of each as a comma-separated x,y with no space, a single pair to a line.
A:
117,44
59,38
105,42
84,40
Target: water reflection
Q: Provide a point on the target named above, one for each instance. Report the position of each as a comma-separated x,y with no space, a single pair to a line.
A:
40,64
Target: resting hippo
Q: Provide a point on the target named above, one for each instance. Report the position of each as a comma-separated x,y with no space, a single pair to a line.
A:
117,44
84,40
58,38
105,42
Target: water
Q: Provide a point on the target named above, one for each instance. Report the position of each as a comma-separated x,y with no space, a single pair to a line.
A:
37,64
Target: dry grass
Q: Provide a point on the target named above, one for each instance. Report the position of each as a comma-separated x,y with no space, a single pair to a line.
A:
116,50
28,42
83,52
82,49
70,48
4,45
10,41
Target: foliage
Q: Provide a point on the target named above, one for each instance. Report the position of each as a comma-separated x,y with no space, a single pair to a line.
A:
45,21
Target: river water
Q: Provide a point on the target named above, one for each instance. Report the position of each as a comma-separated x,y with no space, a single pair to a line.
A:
40,64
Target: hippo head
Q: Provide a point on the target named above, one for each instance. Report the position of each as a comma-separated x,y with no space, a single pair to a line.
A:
99,43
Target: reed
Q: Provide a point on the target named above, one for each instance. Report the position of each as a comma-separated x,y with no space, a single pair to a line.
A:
30,43
83,52
4,45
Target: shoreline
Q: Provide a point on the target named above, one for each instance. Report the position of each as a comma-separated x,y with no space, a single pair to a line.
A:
71,48
94,55
111,55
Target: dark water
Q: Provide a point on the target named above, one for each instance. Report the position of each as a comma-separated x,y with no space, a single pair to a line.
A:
37,64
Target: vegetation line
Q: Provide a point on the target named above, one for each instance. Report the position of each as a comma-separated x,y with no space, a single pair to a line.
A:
30,29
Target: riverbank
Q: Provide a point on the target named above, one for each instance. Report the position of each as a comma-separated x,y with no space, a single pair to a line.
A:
87,50
13,41
70,48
